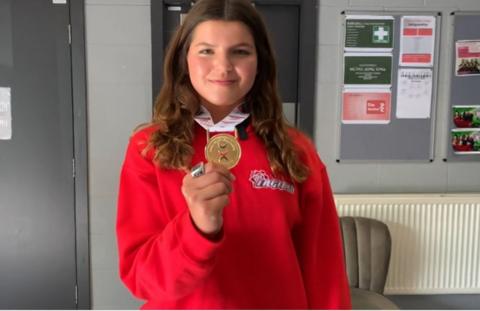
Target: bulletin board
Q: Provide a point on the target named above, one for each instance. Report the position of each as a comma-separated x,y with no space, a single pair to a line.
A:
464,103
373,124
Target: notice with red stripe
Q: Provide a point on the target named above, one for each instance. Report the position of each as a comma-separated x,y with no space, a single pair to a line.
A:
417,41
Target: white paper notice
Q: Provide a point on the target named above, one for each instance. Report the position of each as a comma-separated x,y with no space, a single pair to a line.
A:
414,93
417,41
5,114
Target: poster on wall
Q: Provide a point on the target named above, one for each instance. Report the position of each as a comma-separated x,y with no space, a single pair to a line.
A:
368,33
368,69
414,93
417,41
5,114
466,141
466,116
366,106
467,58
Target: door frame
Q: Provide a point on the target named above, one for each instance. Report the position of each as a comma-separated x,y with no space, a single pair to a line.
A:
80,165
307,53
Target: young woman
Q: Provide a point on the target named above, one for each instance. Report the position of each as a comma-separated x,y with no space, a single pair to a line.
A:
254,225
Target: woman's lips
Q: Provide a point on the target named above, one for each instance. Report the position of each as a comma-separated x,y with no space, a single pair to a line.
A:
223,82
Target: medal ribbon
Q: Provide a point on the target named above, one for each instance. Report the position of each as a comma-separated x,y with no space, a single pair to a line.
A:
227,124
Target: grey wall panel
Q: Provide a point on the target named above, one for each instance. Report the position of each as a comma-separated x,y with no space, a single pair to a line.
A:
37,257
400,139
463,90
284,31
119,92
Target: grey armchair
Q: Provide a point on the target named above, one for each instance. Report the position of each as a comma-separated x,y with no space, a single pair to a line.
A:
367,247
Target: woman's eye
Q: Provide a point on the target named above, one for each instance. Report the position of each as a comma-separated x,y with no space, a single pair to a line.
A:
206,52
242,52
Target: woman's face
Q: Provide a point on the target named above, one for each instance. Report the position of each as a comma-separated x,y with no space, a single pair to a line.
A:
222,63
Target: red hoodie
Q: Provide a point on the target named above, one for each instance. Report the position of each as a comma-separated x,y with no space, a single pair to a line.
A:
281,246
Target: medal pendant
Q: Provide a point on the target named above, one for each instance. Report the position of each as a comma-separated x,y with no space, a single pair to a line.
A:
223,149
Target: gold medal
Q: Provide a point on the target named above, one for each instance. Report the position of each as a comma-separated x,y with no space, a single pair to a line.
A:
223,149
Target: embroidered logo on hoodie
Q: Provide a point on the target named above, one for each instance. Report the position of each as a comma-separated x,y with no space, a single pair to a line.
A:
260,179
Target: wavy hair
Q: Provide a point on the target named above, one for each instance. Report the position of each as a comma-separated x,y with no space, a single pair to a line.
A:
178,101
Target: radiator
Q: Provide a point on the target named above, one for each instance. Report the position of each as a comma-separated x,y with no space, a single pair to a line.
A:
435,240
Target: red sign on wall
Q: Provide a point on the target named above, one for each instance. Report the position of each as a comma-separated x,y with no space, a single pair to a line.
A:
366,106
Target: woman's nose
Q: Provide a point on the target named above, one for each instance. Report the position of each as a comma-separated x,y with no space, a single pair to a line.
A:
223,62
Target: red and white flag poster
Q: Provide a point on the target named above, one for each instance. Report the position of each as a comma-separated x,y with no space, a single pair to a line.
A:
417,41
366,106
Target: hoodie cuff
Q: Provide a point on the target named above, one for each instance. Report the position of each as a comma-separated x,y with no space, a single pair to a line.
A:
196,246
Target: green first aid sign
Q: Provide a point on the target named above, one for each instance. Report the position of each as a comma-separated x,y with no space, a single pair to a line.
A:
381,34
369,33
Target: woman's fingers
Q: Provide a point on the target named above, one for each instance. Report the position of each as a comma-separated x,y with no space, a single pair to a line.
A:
211,191
206,195
213,167
208,179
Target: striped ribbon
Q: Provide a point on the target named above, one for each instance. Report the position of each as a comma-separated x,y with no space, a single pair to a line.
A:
228,123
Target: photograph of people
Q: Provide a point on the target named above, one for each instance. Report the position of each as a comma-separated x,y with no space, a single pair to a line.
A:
466,141
222,204
466,116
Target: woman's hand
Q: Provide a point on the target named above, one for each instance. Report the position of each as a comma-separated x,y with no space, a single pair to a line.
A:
207,195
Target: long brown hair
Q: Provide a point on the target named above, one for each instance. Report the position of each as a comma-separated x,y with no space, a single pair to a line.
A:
177,101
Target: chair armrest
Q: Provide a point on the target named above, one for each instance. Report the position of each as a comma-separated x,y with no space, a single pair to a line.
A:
364,299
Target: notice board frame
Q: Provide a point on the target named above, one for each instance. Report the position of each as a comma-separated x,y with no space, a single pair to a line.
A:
401,139
463,90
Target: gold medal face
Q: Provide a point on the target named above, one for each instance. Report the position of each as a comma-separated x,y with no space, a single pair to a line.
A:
223,149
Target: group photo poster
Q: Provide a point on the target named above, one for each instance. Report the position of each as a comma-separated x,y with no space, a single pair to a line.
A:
466,116
414,93
367,70
467,58
417,41
368,33
366,106
466,141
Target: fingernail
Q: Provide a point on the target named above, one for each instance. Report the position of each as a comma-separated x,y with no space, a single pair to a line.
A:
232,177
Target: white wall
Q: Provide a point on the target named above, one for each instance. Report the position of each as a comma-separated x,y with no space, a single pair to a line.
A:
119,98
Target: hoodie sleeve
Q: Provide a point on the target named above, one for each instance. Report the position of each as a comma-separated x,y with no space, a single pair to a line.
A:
161,255
318,239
